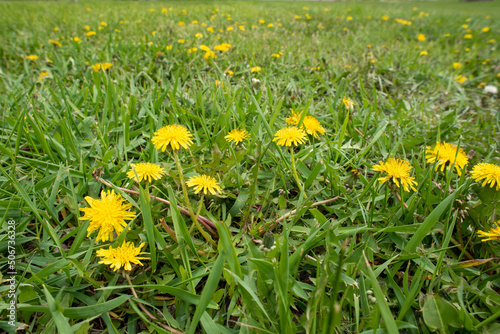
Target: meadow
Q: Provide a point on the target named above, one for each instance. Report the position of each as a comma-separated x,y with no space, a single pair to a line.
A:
253,167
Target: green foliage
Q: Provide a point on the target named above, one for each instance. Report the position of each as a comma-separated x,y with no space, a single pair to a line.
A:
330,249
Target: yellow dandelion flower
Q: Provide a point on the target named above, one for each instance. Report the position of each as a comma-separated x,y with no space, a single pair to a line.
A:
121,256
101,66
32,57
347,103
290,136
180,41
90,33
255,69
485,29
209,55
107,215
461,79
145,171
198,35
223,47
174,135
294,118
385,17
398,171
493,234
236,135
104,24
313,126
421,37
457,65
77,39
310,123
168,47
229,72
489,172
468,36
54,42
424,53
205,183
447,153
43,75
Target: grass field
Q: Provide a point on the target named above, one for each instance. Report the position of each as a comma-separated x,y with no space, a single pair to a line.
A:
361,196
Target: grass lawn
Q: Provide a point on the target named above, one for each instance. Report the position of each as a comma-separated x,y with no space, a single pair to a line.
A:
254,167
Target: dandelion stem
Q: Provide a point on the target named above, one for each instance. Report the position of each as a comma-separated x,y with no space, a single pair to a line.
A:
295,175
188,203
398,196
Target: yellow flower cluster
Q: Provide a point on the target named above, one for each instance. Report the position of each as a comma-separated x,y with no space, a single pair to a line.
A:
101,66
309,123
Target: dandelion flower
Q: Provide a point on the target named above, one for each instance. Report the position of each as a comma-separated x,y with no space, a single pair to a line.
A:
90,33
107,215
255,69
54,42
43,75
461,79
424,53
236,135
489,172
421,37
32,57
447,153
290,136
294,118
310,123
145,171
174,135
101,66
347,103
399,171
313,126
223,47
205,183
121,256
457,65
493,234
209,55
